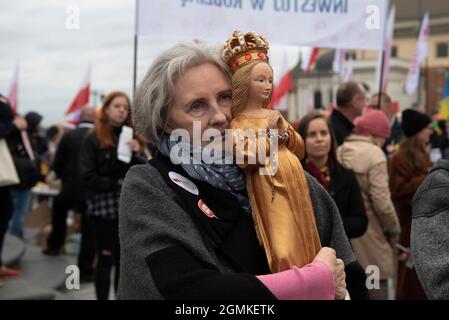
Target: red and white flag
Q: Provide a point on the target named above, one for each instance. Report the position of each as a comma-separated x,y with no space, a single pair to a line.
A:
13,95
309,57
388,43
339,62
82,97
281,89
422,49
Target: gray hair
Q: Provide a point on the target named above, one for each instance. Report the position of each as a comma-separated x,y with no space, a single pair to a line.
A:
154,95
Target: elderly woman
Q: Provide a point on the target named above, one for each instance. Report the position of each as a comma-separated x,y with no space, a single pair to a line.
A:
186,230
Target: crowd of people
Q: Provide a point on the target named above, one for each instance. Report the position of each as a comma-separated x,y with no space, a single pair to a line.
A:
185,231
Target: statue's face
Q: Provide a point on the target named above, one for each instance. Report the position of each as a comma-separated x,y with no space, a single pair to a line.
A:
261,82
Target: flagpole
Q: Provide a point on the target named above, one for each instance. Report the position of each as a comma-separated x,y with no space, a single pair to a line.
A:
426,107
381,78
135,48
418,96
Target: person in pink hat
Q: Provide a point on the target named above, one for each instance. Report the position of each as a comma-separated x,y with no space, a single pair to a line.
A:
362,153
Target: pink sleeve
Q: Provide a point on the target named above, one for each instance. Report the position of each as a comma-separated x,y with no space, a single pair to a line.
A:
312,282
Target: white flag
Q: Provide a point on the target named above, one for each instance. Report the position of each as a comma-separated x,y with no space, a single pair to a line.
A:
348,70
422,48
388,43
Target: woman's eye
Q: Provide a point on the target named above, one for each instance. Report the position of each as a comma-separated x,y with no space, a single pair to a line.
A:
197,106
226,98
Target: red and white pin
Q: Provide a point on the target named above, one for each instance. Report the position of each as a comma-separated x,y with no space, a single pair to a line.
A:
208,212
183,182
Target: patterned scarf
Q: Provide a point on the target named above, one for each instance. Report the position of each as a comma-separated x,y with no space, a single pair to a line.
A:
221,173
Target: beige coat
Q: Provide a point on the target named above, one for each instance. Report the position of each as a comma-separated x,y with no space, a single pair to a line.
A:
367,160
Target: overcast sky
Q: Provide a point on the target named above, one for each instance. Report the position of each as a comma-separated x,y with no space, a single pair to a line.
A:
53,59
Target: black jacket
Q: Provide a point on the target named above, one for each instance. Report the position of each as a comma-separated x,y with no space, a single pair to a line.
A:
67,161
345,190
6,119
167,251
100,169
341,126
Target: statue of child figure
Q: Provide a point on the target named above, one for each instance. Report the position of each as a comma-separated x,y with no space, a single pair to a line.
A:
280,201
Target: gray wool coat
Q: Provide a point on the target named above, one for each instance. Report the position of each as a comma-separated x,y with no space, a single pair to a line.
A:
430,232
150,220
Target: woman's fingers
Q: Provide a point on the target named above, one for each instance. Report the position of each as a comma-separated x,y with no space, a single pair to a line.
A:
340,284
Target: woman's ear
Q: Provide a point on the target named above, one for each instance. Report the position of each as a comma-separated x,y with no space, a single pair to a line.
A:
168,129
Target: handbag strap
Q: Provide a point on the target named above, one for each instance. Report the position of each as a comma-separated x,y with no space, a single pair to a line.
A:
27,144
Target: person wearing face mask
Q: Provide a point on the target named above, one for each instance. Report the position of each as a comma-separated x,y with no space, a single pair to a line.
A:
362,153
409,167
102,175
184,230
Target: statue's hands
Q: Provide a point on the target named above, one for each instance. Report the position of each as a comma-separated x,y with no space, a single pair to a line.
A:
274,120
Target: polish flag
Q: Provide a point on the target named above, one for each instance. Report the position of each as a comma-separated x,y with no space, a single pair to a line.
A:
309,57
388,42
14,90
82,97
338,65
279,99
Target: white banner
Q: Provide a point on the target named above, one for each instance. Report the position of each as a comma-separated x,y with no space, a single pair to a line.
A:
349,24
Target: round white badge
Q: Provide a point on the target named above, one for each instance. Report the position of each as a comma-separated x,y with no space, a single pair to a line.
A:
183,182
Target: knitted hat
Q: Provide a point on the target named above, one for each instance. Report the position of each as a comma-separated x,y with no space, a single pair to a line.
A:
413,122
373,122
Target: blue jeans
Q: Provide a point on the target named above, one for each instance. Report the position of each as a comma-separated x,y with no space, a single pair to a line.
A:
21,201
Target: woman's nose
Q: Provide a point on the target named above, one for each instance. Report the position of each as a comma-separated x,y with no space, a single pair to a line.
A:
218,118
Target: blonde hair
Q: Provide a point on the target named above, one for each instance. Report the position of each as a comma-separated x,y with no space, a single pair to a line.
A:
240,88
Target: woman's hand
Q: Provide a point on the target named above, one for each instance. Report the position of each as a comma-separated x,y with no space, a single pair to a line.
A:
135,145
337,266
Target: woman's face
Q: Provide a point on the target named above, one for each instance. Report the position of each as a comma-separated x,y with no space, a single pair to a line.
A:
424,135
318,139
261,82
118,111
202,95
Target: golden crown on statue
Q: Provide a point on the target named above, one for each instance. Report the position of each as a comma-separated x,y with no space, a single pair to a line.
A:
241,49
